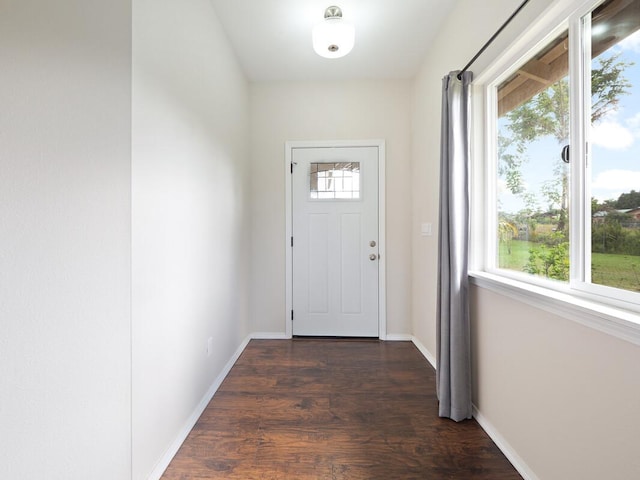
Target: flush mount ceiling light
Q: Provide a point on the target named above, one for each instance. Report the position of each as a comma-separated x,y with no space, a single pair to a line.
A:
333,38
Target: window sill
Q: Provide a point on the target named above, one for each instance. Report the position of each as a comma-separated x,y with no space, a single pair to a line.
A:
620,323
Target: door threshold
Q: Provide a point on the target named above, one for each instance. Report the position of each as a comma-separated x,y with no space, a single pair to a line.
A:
336,338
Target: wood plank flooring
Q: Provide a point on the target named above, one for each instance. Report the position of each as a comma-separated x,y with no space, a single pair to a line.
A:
333,409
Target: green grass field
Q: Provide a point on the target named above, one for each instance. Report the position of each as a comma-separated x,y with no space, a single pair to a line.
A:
517,258
620,271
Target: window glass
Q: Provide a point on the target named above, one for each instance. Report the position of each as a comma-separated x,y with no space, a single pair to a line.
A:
614,176
564,195
533,180
334,180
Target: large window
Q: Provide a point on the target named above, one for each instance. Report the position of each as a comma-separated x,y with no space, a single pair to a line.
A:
565,138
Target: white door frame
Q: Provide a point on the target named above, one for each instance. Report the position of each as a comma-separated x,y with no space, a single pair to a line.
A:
382,284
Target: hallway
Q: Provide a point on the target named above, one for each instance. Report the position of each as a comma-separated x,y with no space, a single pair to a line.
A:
333,409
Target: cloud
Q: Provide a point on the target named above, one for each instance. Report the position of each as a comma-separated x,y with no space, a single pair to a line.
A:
632,42
603,197
616,181
634,124
611,135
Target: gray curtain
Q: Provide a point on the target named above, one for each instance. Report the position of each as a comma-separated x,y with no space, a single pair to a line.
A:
453,333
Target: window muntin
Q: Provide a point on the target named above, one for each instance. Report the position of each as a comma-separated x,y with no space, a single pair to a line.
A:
585,171
331,181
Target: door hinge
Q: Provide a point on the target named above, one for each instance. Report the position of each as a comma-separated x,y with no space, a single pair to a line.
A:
291,315
291,167
292,241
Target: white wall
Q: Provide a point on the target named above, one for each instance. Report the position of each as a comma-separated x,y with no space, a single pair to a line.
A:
65,92
466,29
190,216
326,111
563,396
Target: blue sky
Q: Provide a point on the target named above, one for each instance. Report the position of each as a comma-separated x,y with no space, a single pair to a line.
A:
616,139
615,142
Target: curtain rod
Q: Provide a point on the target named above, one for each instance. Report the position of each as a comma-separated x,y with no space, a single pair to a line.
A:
484,47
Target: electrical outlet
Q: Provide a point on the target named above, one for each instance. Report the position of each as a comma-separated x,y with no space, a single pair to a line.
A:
209,346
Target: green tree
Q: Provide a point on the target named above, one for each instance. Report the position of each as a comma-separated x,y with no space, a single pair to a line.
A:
596,206
608,84
607,237
551,261
628,200
506,232
547,114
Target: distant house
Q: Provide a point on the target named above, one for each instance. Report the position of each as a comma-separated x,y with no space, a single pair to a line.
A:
633,213
600,216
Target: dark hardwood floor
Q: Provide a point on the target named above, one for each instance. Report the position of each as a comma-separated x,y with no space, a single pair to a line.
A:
333,409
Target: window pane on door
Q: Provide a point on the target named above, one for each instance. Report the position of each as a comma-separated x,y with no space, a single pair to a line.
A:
613,138
533,186
334,181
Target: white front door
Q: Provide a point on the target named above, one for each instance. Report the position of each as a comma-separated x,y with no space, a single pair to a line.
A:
335,241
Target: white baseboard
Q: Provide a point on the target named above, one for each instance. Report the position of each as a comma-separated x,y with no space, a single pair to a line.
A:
165,460
269,336
398,337
515,459
506,449
423,350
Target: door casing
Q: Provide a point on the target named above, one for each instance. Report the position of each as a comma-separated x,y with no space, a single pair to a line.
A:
289,147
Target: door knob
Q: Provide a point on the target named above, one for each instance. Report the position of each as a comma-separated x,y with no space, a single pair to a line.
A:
372,257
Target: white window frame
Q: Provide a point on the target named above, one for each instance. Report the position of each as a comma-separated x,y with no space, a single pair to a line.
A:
607,309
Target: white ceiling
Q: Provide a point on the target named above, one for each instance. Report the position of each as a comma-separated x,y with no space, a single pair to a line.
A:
272,38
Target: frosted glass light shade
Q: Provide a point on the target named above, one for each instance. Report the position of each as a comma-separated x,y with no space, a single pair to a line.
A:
333,38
